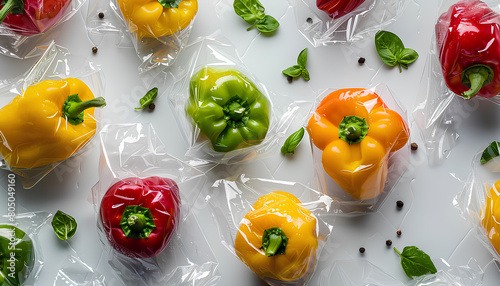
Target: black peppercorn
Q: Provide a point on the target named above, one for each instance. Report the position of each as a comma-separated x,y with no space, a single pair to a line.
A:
400,204
362,250
101,15
398,232
361,60
94,50
309,20
290,79
152,106
414,146
388,242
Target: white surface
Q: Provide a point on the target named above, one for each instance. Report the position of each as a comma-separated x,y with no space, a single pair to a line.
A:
428,219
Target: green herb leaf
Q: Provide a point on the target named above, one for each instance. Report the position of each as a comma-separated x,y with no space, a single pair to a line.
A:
293,71
267,25
490,152
305,74
64,225
249,10
292,141
415,262
391,50
302,58
170,3
148,98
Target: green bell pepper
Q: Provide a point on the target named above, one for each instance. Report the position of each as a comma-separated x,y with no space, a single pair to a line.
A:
228,108
17,256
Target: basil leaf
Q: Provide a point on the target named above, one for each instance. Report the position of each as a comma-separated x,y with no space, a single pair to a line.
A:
293,71
267,25
415,262
148,98
170,3
292,141
64,225
302,58
490,152
305,74
249,10
407,56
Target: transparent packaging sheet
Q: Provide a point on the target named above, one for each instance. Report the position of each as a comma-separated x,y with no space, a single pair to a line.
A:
133,153
157,33
52,139
24,35
351,21
242,207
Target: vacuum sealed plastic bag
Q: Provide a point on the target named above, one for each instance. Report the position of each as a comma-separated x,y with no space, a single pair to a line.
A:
462,64
20,248
359,144
224,112
158,29
274,227
49,114
325,22
29,24
142,200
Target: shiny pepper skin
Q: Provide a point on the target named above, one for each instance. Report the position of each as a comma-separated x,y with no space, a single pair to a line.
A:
149,19
338,8
359,166
468,42
278,210
17,256
34,130
490,216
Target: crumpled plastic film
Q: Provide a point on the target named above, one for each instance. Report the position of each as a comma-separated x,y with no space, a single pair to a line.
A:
350,21
134,153
50,139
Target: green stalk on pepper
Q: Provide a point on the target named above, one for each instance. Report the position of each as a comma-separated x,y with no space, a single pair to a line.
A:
228,108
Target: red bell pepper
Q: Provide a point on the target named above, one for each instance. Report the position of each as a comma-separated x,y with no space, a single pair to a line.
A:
31,17
338,8
468,41
139,216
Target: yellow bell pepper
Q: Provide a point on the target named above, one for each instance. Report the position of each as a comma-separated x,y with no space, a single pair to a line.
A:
157,18
357,132
278,238
47,123
490,216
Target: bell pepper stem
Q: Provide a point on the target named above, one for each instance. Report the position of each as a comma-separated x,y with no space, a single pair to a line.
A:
476,77
352,129
274,241
73,107
7,8
236,112
137,222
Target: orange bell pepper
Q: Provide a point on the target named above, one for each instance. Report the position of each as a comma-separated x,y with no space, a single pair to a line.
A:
357,132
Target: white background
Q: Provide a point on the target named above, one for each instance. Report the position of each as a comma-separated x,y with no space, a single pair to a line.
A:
428,219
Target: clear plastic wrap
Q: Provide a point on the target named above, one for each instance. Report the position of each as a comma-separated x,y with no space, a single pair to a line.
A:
478,202
22,35
29,108
350,20
133,154
359,145
246,209
157,31
440,110
226,115
19,242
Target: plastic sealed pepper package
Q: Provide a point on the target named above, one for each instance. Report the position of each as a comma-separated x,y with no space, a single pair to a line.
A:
157,29
49,114
479,202
359,146
20,248
143,204
461,70
26,26
325,22
225,114
274,227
